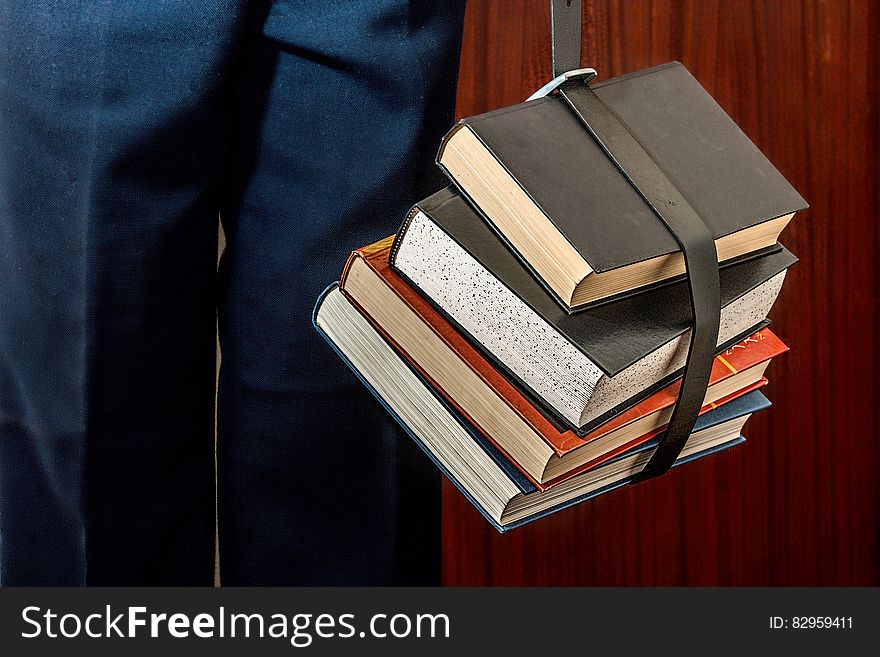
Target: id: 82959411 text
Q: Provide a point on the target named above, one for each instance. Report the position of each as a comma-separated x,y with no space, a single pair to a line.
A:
811,623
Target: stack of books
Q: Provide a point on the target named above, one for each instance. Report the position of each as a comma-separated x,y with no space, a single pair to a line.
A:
528,325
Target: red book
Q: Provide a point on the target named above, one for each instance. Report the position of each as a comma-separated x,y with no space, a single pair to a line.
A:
457,370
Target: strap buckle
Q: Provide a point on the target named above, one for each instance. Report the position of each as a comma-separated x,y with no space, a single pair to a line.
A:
575,75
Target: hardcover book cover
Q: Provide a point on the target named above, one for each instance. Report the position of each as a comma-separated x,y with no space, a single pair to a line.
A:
724,176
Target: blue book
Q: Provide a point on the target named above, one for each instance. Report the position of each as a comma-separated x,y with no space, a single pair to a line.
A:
484,475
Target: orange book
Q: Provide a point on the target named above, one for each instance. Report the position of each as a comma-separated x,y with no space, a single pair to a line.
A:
543,450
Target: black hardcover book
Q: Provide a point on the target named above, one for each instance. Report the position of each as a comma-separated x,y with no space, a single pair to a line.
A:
584,367
562,205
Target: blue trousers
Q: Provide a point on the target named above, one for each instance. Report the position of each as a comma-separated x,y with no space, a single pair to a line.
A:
126,129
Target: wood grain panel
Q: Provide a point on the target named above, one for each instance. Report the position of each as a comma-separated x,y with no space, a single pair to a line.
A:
799,503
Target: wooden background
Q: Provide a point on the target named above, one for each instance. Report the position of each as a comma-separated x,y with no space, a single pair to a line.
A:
798,504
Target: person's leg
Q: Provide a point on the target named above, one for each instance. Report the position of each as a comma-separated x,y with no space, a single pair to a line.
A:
342,106
111,148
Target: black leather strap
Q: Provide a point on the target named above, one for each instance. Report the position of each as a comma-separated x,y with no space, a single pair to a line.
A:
565,28
697,244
